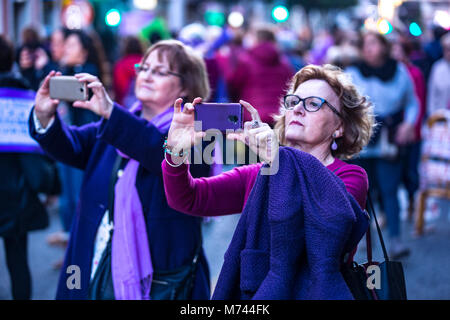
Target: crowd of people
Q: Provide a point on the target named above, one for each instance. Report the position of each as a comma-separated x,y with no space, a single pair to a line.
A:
131,208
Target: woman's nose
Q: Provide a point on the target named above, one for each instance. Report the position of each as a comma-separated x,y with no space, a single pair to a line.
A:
148,75
299,108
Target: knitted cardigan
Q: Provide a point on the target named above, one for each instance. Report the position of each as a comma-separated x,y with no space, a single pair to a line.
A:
292,234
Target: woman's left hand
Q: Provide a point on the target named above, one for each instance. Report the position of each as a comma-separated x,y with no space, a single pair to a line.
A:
257,135
100,103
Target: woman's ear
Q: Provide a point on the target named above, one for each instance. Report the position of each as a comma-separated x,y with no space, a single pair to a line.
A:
339,132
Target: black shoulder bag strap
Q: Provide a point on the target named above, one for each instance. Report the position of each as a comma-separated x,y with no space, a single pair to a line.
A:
380,235
101,287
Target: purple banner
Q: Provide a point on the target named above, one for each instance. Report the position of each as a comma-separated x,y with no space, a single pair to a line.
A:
15,107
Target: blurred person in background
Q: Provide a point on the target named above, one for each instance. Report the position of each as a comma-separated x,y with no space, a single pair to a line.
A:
290,46
439,82
57,40
78,56
24,176
433,49
103,64
401,51
227,58
419,58
33,58
261,74
345,51
322,41
124,232
36,63
207,41
124,74
389,86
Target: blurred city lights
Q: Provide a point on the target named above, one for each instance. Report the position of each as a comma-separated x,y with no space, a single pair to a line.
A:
214,18
442,18
145,4
77,15
386,9
280,13
74,17
113,18
415,29
370,24
235,19
384,26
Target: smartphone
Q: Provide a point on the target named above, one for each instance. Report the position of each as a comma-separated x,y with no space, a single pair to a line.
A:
68,88
220,116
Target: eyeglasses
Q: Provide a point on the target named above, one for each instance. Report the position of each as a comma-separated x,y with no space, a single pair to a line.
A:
311,104
156,72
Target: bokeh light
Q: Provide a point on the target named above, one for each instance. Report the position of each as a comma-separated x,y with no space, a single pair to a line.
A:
235,19
415,29
384,26
280,13
145,4
442,18
113,18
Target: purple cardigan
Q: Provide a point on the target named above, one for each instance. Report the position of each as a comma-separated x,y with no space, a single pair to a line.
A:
293,231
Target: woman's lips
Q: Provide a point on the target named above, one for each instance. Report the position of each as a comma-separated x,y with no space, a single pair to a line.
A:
143,86
298,123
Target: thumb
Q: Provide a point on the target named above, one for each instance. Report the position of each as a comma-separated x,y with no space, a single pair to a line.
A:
82,104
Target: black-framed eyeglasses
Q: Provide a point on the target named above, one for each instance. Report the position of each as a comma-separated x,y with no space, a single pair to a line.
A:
311,104
156,72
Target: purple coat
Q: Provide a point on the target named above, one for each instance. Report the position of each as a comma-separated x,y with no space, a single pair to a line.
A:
173,237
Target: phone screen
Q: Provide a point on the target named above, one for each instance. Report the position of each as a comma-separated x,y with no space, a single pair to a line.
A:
219,116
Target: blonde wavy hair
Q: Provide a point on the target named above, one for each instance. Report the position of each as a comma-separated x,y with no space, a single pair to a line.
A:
357,111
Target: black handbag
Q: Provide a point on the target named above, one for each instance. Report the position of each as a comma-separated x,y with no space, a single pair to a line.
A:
392,285
175,284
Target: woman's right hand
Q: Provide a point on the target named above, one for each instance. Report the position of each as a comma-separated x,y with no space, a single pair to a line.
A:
44,106
182,135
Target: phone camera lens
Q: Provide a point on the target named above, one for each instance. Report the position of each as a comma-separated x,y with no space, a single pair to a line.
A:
81,89
233,119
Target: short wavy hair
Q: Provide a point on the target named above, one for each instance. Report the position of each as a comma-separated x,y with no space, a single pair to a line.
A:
357,111
185,61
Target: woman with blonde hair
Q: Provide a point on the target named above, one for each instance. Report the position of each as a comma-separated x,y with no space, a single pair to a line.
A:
302,217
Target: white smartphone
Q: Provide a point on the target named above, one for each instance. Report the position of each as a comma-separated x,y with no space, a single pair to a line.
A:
68,88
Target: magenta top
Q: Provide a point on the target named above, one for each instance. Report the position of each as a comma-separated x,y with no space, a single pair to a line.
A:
228,192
